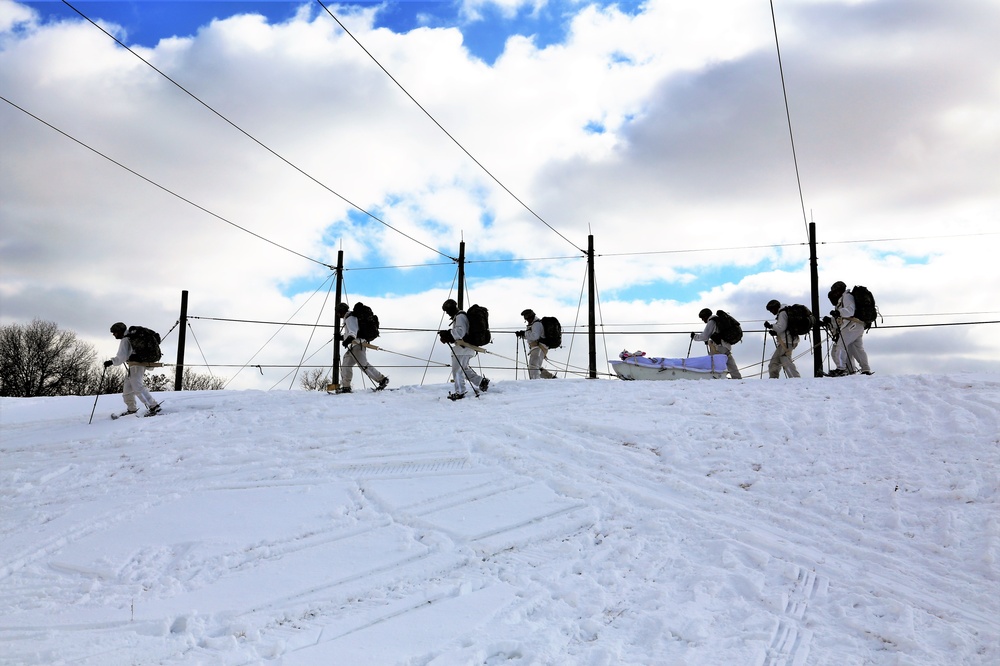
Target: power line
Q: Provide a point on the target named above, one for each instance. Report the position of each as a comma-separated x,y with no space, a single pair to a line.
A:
788,116
251,137
910,238
161,187
441,127
713,249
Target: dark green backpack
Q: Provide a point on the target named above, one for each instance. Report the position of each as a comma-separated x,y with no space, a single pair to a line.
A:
800,319
551,332
479,326
864,305
145,344
367,321
727,329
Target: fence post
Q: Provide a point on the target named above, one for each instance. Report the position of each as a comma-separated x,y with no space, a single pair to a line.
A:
181,338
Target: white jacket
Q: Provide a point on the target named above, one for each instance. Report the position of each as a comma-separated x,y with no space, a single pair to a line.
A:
459,329
534,332
124,351
781,328
350,327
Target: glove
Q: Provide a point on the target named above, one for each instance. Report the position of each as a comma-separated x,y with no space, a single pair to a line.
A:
446,337
768,325
108,364
827,321
771,332
692,335
834,313
347,341
519,334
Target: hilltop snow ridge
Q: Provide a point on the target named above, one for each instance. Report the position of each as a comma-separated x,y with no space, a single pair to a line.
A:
817,521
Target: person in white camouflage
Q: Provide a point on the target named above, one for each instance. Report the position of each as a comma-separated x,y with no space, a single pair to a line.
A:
134,374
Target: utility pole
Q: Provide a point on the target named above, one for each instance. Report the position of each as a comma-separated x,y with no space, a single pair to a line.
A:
181,339
591,310
335,378
814,281
461,275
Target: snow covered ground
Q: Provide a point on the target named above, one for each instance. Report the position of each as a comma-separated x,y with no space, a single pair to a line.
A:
767,523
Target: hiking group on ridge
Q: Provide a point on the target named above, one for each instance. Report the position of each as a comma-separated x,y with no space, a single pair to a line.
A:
854,313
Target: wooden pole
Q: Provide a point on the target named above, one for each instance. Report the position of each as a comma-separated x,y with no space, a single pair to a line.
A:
335,375
181,339
591,309
461,275
814,280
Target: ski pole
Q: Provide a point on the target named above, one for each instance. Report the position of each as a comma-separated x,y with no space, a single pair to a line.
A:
689,347
363,368
763,353
524,350
465,371
100,388
517,358
840,340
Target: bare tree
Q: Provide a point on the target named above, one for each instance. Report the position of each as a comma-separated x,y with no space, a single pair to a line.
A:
315,380
105,380
38,359
190,381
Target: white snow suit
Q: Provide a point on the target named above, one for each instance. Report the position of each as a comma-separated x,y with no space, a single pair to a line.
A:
355,354
850,343
135,372
537,352
460,356
721,347
784,343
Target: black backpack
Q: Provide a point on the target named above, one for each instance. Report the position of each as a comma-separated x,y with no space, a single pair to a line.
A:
800,319
864,306
479,326
551,332
367,321
727,329
145,344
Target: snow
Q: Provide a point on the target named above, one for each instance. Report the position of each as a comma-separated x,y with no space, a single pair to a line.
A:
769,523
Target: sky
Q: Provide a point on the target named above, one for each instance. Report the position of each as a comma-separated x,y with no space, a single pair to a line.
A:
560,522
241,145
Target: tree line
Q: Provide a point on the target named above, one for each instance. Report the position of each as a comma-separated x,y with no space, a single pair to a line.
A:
40,359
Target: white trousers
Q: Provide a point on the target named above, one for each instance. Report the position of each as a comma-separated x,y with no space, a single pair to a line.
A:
357,355
461,371
134,386
850,345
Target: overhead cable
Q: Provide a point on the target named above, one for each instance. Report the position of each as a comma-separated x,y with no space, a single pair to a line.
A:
446,132
161,187
254,139
788,116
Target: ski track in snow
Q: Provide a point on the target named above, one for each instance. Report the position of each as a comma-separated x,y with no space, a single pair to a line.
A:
847,521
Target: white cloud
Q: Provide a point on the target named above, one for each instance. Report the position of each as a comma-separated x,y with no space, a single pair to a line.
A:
894,112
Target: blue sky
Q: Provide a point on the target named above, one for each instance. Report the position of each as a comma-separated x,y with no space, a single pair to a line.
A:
147,22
